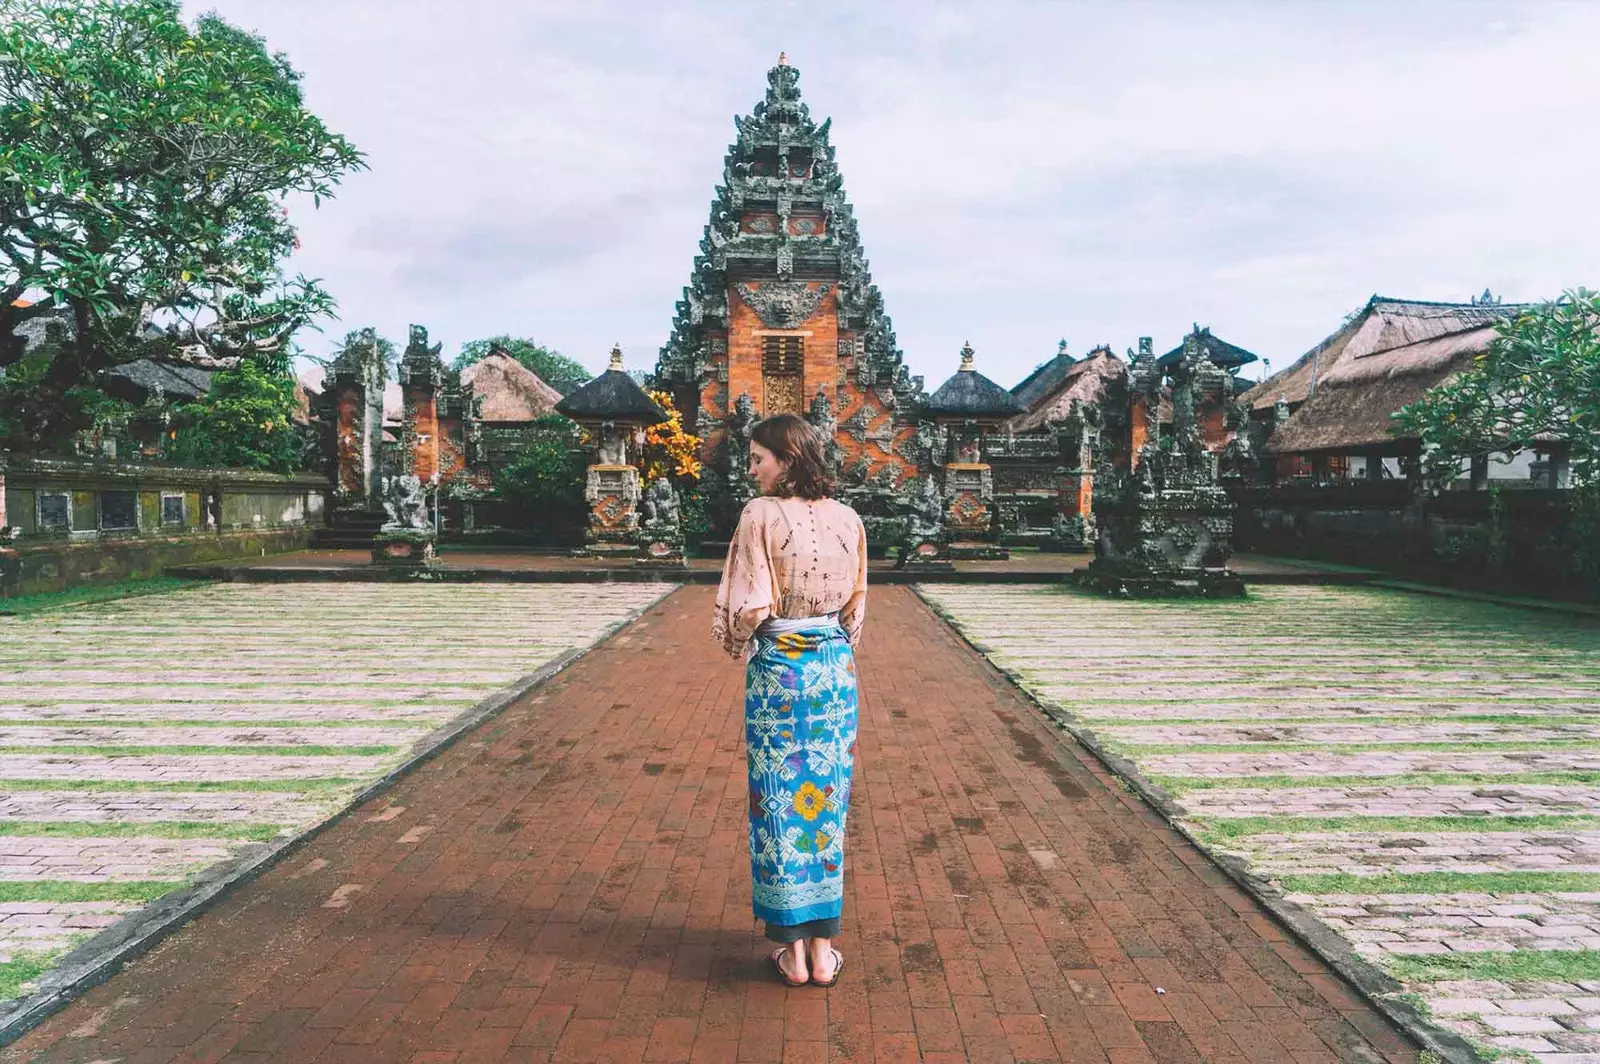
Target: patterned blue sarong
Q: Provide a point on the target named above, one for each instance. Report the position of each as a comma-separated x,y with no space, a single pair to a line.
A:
800,729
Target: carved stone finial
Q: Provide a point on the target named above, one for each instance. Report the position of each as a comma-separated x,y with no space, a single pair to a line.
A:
1061,348
616,356
966,357
783,59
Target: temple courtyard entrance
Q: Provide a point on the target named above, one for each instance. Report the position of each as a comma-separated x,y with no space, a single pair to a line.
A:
1416,791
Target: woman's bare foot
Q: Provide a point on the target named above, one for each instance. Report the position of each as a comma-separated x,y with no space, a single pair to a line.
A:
791,962
824,961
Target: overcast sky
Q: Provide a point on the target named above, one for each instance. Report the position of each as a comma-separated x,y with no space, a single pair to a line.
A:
1021,172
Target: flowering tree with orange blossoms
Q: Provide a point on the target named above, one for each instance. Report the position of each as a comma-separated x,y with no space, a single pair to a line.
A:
669,451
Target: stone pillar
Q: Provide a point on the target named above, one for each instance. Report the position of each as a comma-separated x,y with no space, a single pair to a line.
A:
612,491
356,381
1479,477
969,502
420,374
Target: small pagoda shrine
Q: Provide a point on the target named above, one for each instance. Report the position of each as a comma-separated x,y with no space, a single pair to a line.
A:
966,408
781,316
614,411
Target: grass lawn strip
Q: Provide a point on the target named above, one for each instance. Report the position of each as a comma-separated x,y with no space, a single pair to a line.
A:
151,829
1222,829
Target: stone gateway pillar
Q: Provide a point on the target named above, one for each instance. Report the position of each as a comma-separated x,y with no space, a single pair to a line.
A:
420,376
356,380
614,411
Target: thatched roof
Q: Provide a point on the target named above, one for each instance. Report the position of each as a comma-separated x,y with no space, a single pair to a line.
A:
969,394
1380,325
1084,381
612,396
1045,379
510,391
1222,353
1345,390
139,380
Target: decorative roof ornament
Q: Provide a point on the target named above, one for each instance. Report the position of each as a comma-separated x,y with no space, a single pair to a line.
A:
616,356
1488,299
971,396
783,59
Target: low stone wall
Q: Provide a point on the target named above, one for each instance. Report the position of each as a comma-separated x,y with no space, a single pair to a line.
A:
73,521
1512,540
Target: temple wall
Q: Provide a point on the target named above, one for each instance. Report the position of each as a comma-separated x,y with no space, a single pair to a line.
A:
423,409
1454,538
87,521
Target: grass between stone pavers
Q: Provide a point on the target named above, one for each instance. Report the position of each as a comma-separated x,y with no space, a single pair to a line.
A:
60,890
1176,785
241,748
242,723
309,785
145,829
1442,883
1532,719
1223,828
1523,965
1271,746
22,969
44,602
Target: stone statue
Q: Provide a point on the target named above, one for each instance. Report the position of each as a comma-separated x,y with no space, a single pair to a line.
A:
821,418
661,505
925,516
403,501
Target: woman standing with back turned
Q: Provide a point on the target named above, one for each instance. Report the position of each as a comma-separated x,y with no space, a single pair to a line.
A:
793,596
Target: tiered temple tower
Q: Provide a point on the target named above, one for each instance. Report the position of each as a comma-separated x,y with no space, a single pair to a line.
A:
781,310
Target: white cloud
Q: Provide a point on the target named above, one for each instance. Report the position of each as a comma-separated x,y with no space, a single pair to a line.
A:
1020,170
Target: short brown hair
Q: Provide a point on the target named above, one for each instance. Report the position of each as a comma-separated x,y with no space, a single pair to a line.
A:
799,447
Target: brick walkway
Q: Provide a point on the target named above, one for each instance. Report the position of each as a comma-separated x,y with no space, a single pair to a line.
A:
571,883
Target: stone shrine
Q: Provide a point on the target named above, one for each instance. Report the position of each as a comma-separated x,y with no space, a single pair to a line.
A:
967,408
614,411
1165,527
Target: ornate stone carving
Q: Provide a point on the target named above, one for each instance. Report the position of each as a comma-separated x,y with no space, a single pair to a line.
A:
783,304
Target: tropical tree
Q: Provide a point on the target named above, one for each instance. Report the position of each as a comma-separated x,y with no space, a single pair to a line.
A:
563,374
143,171
1538,380
242,421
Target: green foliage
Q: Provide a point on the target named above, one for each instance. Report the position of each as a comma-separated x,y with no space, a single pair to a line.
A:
1539,377
386,347
548,476
563,374
143,167
87,594
245,421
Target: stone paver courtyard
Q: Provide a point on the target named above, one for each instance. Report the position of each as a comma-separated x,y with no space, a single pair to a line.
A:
1423,774
143,741
570,882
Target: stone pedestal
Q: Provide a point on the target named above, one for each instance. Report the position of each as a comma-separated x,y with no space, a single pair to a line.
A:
612,492
927,556
404,548
1165,531
969,512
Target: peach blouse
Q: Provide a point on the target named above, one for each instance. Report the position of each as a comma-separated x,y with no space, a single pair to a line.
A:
792,558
